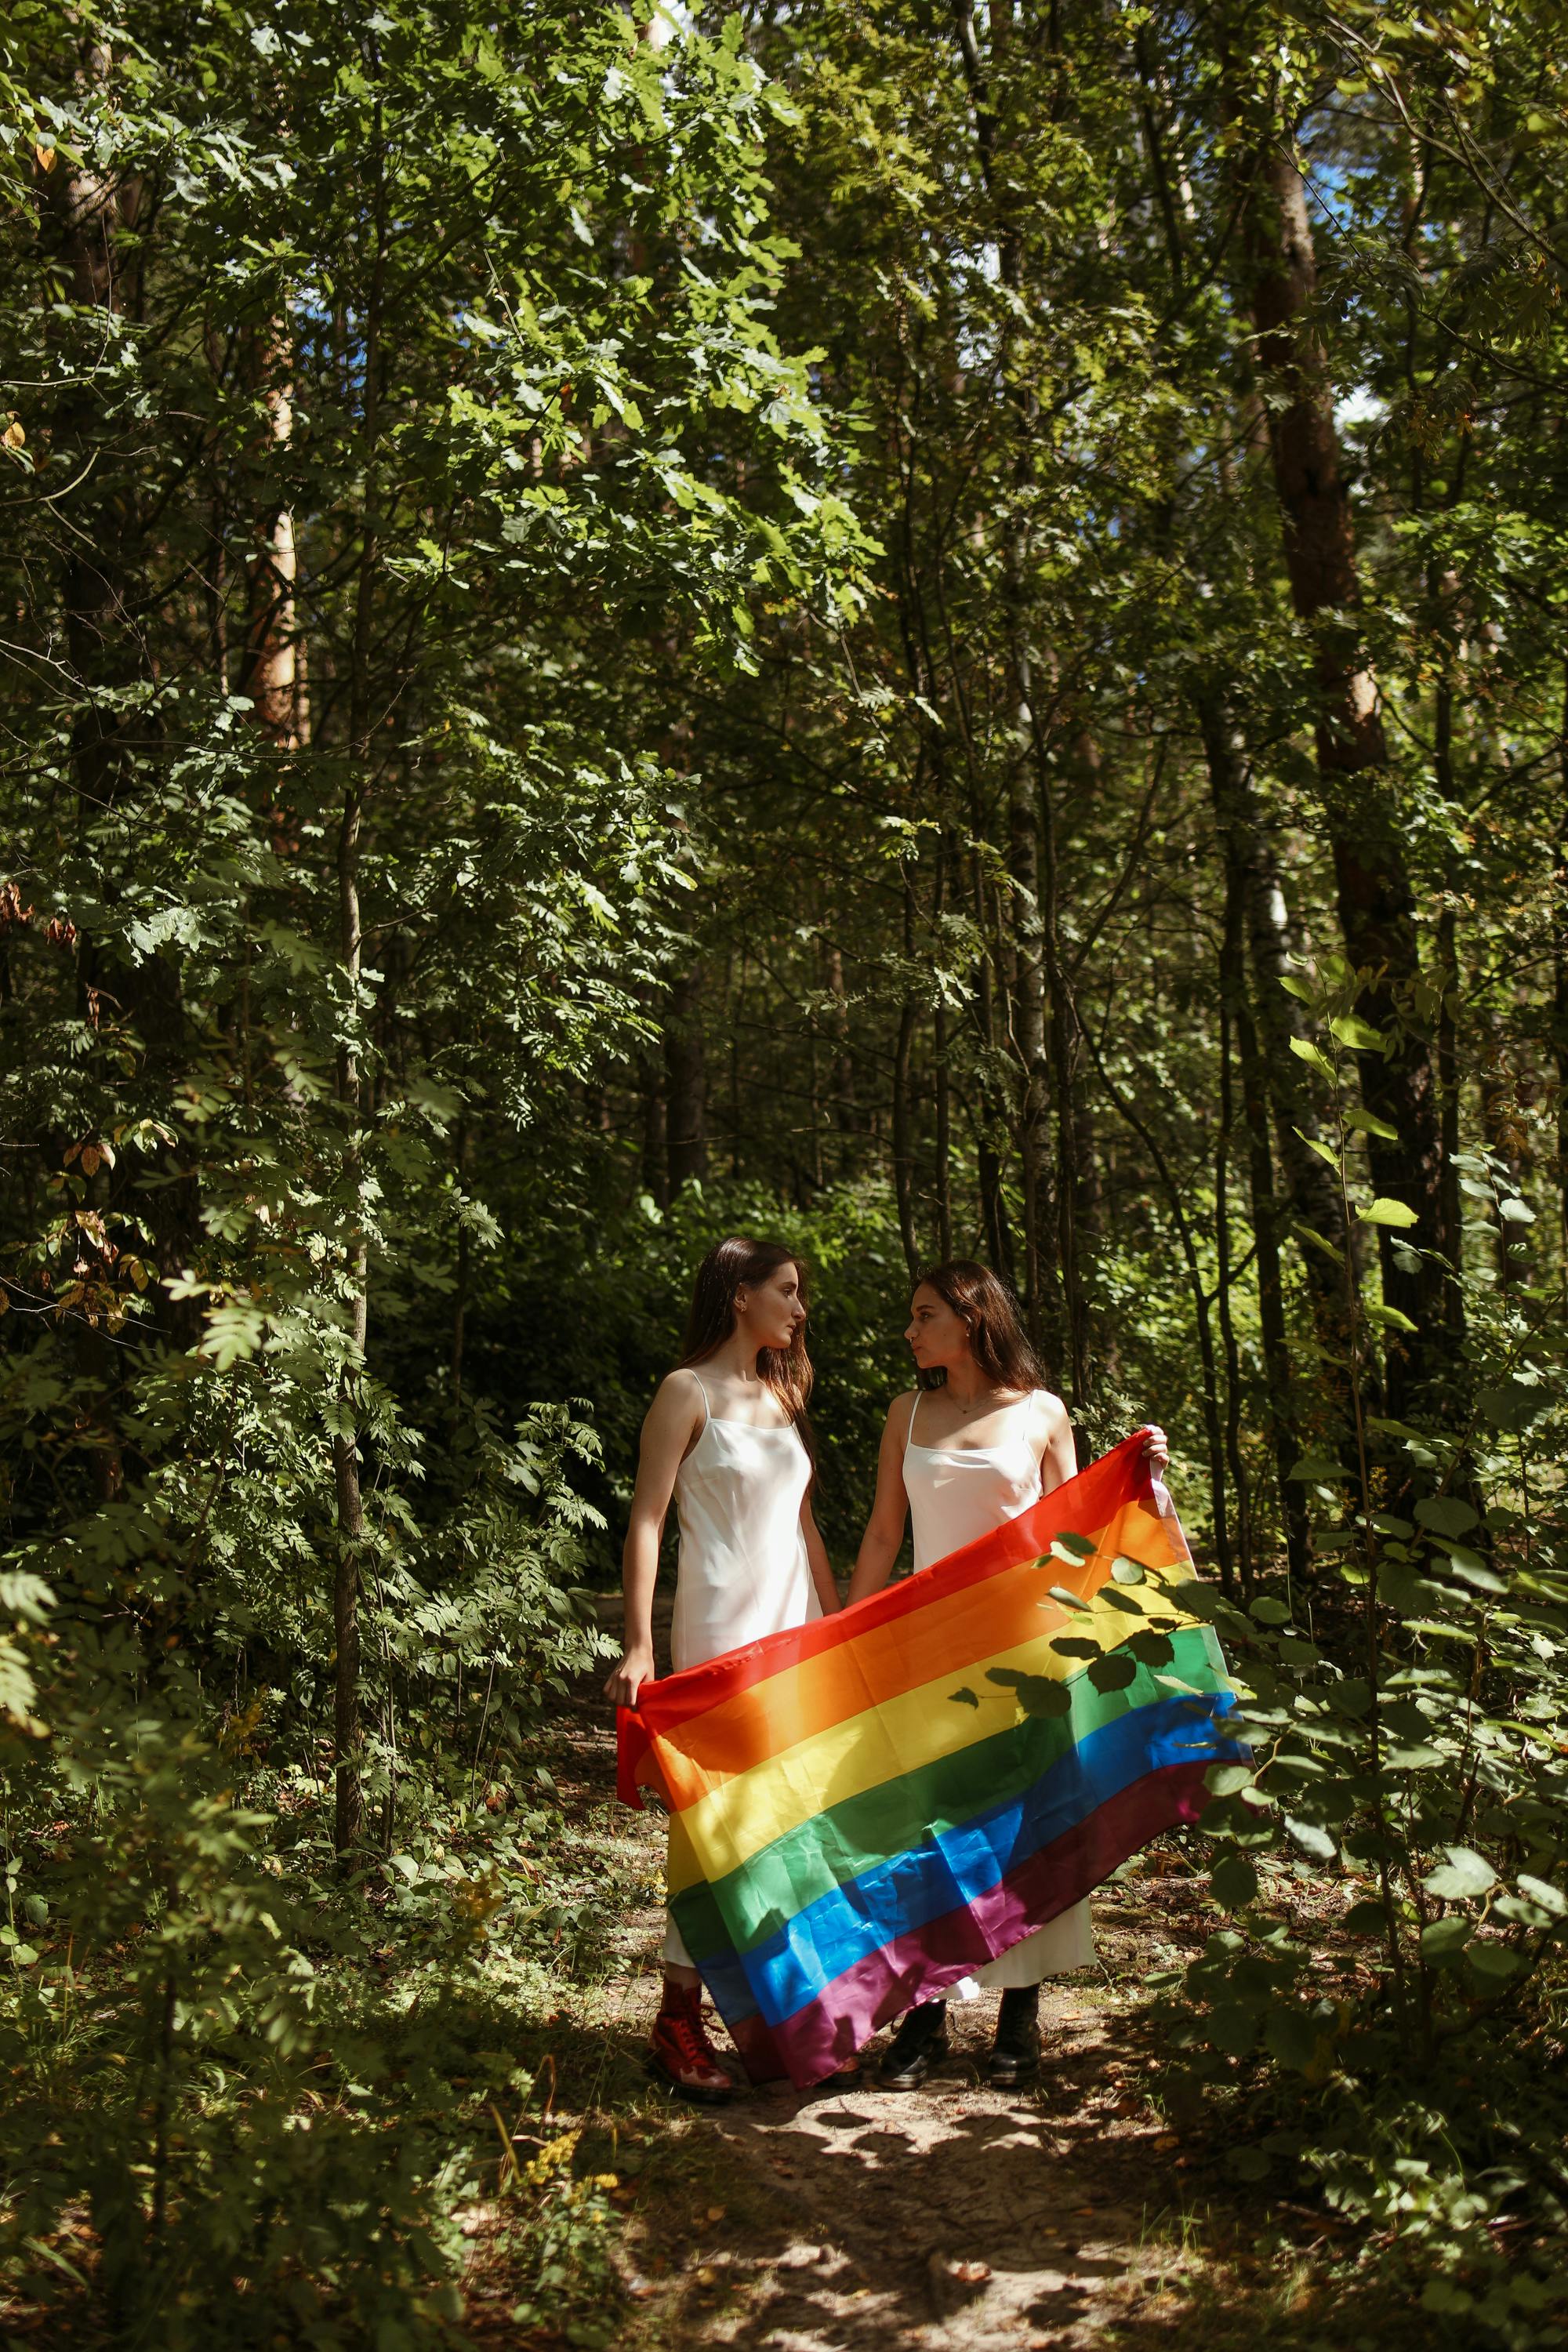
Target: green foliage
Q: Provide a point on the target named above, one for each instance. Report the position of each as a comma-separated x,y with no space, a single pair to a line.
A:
622,629
169,2048
380,380
1404,1811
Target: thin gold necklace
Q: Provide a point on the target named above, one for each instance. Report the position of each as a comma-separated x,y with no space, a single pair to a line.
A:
966,1409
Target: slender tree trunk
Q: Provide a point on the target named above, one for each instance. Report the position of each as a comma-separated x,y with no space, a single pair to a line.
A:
1451,1241
993,1208
904,1110
465,1254
1225,1278
845,1108
903,1135
1376,904
1500,1127
1027,1002
993,1121
1029,1020
1284,1435
1023,983
655,1138
686,1082
1250,891
944,1139
1061,1045
348,1799
1560,974
1214,1430
274,670
734,997
1066,1054
1443,598
347,1728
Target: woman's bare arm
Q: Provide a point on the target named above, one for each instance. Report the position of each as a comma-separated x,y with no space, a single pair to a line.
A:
674,1422
822,1574
1058,1455
885,1527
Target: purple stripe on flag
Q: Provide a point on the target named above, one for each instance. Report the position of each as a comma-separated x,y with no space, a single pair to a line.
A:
925,1962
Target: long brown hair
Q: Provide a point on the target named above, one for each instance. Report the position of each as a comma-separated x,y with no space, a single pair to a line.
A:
989,1313
729,1263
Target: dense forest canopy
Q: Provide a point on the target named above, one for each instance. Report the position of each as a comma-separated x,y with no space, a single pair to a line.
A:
926,629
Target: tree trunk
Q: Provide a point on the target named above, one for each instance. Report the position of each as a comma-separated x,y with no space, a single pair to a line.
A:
1025,982
1283,1430
655,1138
1560,976
903,1136
1252,903
943,1141
348,1797
1501,1126
686,1082
846,1106
347,1728
1213,1430
465,1256
1224,1279
274,676
1376,906
993,1216
1028,1022
1077,1182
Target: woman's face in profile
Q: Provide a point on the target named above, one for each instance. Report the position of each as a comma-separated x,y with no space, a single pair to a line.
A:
772,1311
938,1336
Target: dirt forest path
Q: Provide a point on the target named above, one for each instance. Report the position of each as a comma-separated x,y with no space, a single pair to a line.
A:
1065,2215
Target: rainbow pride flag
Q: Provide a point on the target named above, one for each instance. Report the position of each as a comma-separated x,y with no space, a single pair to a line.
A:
865,1809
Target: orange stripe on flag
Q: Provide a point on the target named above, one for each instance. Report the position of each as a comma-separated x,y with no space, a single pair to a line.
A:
952,1632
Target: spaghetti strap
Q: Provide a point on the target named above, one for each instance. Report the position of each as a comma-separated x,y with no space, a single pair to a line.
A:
706,1407
910,1432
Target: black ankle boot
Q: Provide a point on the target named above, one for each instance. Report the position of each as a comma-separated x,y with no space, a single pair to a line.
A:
1016,2053
920,2043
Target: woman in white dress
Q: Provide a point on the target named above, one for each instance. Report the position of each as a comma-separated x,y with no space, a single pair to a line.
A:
727,1437
976,1441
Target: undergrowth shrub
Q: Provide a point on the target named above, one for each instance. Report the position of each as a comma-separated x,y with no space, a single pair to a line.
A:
1385,2016
230,2113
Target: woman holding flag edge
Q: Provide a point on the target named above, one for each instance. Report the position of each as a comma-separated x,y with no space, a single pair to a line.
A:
726,1438
976,1441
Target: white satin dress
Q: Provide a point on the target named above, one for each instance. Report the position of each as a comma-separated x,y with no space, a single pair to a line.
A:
958,1493
742,1566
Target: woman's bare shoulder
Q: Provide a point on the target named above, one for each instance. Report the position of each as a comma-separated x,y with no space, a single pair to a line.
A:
677,1396
1050,1413
899,1410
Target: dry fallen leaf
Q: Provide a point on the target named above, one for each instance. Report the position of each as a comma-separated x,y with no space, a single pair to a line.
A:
715,2212
970,2273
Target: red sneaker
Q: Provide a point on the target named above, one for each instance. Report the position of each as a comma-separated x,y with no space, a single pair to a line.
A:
680,2050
